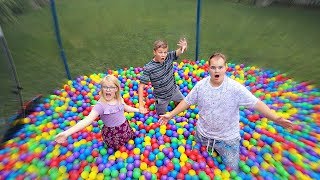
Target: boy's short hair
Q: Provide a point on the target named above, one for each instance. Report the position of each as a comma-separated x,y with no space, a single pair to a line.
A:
159,44
217,54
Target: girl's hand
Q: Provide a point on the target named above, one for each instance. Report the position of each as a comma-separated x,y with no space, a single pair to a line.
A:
143,110
61,138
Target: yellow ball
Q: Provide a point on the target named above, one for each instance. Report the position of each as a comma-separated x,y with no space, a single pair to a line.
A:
217,171
254,170
136,151
181,149
124,155
256,135
161,147
143,166
94,169
245,143
147,139
85,174
225,174
192,172
183,158
162,131
62,169
153,169
180,131
100,176
92,175
111,157
131,142
117,154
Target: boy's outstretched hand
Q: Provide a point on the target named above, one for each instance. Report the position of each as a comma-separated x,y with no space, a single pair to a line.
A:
183,44
61,138
164,119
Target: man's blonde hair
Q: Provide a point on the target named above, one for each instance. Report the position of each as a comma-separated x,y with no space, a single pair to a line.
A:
217,54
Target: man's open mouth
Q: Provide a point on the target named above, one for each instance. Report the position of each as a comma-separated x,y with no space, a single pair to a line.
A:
217,76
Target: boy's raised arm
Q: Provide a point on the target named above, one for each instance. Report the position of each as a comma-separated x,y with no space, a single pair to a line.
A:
182,46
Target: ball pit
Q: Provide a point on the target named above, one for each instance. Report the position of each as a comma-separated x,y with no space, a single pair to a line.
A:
267,150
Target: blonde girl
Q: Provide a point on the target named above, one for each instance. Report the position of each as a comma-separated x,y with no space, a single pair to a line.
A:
116,130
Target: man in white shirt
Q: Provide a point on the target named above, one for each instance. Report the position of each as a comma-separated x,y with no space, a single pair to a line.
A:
218,98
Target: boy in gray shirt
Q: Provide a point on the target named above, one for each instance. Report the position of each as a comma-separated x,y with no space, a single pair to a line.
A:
159,71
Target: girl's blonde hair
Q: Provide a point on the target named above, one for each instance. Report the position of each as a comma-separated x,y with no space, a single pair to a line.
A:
115,81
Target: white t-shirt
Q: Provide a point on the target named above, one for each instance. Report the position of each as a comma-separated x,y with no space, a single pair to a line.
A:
219,107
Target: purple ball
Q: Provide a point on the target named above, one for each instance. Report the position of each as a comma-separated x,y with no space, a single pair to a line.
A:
186,133
170,155
164,177
149,148
70,159
148,175
110,151
202,165
136,163
165,151
101,167
99,160
195,166
130,167
122,176
129,174
205,154
130,146
136,157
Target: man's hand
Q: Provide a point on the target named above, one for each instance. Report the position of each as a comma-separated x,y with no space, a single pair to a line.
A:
284,123
164,119
183,44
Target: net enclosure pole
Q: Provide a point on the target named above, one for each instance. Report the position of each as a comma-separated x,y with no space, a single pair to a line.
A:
58,37
198,29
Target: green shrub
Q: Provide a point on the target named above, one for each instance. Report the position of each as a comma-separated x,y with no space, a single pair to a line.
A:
9,9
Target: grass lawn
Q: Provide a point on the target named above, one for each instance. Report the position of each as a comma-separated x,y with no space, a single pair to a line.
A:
99,35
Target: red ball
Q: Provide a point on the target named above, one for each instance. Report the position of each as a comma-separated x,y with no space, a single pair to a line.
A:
210,163
180,176
164,170
184,170
95,153
246,136
170,166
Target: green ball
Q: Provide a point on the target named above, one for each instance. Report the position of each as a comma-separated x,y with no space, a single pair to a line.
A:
152,131
103,152
151,107
136,173
149,121
114,173
246,169
107,172
160,155
123,170
135,101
